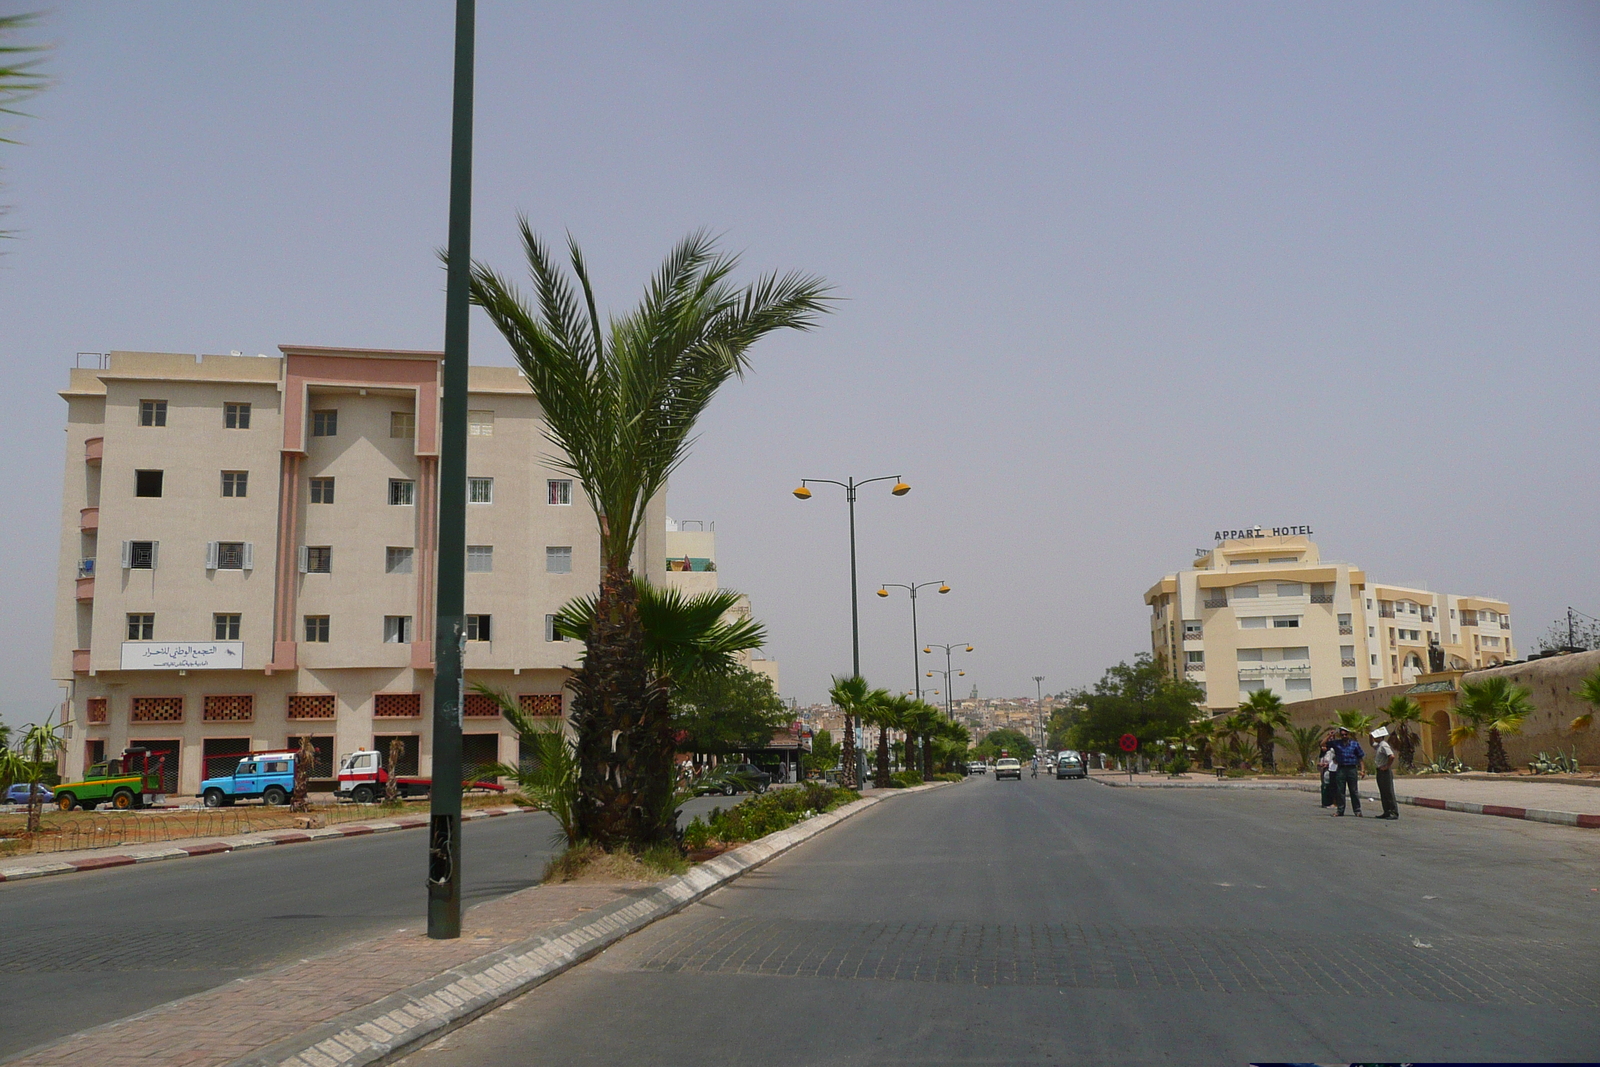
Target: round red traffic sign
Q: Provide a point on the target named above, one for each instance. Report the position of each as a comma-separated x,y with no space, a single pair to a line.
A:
1127,742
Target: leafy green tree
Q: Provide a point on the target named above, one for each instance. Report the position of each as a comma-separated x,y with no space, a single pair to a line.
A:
1062,720
824,754
722,712
1589,693
620,403
1013,741
1141,699
1402,712
1497,706
1264,710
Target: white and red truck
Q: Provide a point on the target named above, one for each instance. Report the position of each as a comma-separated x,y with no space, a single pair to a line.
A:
363,778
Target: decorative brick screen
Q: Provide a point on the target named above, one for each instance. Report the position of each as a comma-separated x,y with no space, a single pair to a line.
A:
98,710
480,706
540,704
396,705
157,709
238,708
312,705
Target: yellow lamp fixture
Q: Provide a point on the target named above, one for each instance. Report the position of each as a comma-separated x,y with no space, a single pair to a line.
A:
883,592
961,674
969,648
803,493
900,489
928,649
944,589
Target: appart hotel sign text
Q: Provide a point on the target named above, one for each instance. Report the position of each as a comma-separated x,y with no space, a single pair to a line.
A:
1257,531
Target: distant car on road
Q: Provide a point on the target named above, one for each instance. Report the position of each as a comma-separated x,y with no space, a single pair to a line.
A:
740,778
18,794
1008,767
1071,765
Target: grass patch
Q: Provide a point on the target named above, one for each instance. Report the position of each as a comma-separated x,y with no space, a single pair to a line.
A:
585,862
763,814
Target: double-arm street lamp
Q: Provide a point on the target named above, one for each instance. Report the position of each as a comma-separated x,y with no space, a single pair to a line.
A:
916,660
850,485
948,670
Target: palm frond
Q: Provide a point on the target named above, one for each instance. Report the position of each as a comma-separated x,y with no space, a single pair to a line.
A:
683,634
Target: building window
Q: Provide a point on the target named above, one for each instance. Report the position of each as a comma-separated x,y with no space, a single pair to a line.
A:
322,490
402,491
1250,655
1298,685
1283,559
560,490
325,423
317,629
397,629
1196,658
235,483
478,628
1291,622
1349,685
312,705
316,559
1374,659
1246,592
228,556
558,559
480,490
99,712
1291,589
139,555
1192,631
402,424
141,627
152,413
396,706
480,424
397,560
236,416
540,705
226,627
480,558
1253,622
147,483
550,633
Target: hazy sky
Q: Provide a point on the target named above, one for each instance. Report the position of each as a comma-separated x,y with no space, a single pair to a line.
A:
1115,276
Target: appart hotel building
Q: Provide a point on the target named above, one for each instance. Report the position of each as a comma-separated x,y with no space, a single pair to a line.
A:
248,557
1267,612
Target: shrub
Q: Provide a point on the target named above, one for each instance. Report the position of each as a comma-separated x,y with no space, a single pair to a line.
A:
764,814
905,779
949,777
1178,764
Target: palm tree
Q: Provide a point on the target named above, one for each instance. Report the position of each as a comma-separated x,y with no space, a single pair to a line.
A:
1401,712
1589,692
931,725
1265,711
951,741
1201,734
887,711
1356,722
1230,727
850,695
40,745
1306,740
621,402
1497,706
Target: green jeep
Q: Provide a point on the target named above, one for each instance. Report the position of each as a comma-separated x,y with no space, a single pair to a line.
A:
129,782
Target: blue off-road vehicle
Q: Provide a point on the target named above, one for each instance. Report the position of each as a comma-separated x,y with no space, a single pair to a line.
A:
268,776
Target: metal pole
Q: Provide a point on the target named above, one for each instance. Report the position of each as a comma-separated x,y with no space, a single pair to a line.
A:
947,669
444,828
916,649
855,610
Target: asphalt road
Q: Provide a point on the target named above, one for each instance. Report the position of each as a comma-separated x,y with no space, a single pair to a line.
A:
78,950
1067,922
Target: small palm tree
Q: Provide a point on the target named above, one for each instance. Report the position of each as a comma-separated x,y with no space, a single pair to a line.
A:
1306,741
1497,706
1228,728
29,761
1202,733
1401,712
1588,692
1264,710
850,695
620,401
1358,723
887,713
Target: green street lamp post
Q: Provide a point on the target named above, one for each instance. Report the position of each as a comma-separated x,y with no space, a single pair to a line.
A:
916,656
449,635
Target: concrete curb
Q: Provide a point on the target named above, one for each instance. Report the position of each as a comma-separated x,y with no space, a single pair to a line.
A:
1468,807
389,1028
235,844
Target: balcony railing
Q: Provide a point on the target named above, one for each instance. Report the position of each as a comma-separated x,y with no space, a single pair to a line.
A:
1346,630
1216,602
1194,668
1195,635
1347,661
80,660
1322,598
85,589
1385,613
89,519
93,449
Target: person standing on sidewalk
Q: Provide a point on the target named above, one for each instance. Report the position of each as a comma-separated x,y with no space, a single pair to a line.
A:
1348,754
1383,756
1326,764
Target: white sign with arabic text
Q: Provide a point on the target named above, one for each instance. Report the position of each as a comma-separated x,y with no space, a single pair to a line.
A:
182,655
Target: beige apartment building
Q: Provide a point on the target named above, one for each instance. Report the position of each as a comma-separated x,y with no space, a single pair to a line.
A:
692,570
248,557
1267,612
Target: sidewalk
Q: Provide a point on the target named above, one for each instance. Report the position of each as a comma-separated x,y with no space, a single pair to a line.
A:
94,859
1567,804
367,1002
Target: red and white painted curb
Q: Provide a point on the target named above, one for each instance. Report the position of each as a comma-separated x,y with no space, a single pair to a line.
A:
236,844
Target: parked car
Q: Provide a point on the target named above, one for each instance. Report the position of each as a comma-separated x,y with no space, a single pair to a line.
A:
1071,765
739,778
18,794
1008,767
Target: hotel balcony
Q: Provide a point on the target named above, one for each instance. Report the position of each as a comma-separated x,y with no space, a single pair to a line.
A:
1322,598
1346,630
1385,613
89,519
1347,661
93,449
1216,602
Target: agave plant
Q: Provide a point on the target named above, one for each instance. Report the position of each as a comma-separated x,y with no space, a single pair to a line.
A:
1497,706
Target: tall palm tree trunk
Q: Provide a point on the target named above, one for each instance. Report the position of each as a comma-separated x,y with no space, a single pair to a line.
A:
1498,763
882,778
927,756
624,728
847,755
1264,743
1408,747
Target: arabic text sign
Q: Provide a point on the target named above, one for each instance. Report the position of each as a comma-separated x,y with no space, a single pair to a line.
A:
181,655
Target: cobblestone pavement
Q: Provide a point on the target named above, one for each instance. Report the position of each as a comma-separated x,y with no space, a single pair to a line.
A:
226,1023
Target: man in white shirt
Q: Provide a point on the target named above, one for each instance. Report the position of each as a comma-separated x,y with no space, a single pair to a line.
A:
1384,757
